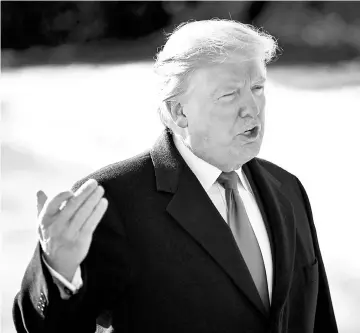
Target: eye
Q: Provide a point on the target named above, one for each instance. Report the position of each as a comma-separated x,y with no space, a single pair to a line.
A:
258,89
230,94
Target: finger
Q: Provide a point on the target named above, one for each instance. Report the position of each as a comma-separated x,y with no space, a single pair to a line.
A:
92,222
39,232
84,212
41,199
78,199
51,207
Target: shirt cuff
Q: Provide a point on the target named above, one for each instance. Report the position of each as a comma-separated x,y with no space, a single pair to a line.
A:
66,288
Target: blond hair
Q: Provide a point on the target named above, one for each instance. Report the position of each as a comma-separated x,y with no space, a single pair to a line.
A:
197,43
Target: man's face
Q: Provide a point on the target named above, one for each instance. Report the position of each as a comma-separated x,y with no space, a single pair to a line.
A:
221,103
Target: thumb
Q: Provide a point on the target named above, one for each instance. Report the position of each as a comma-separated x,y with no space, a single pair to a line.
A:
41,199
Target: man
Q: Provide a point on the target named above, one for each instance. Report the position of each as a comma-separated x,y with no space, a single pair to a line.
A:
195,235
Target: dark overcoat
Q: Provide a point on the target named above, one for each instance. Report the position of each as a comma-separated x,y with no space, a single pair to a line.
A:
163,259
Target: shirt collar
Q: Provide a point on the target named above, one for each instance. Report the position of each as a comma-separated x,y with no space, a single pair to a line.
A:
206,173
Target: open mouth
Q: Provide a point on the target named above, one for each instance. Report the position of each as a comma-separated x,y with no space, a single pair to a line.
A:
251,133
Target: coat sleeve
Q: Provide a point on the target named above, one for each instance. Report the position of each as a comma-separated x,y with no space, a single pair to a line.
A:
38,306
325,318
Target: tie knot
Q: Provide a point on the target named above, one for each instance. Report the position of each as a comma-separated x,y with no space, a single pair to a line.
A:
229,180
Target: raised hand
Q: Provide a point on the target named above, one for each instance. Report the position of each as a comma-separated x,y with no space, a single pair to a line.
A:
66,224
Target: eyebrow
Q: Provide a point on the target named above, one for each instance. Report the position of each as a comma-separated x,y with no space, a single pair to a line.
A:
233,85
260,79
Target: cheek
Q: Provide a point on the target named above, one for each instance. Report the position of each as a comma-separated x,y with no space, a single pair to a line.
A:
197,111
225,113
223,119
262,110
261,103
212,121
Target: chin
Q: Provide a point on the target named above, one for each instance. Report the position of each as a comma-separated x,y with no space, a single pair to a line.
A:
238,164
246,153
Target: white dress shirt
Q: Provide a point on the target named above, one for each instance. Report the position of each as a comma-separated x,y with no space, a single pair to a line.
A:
207,175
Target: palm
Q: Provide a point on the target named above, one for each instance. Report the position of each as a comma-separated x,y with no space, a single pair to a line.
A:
66,225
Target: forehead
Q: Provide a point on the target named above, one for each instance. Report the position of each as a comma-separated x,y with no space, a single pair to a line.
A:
232,72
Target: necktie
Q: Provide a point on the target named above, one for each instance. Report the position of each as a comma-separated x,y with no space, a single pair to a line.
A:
243,233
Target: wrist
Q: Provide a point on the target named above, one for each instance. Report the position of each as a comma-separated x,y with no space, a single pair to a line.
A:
66,271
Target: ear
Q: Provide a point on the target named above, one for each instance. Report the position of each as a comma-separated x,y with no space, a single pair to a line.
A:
176,111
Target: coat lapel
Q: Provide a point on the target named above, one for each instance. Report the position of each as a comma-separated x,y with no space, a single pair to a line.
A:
193,210
278,214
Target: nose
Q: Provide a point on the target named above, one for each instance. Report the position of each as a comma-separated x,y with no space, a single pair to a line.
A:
249,108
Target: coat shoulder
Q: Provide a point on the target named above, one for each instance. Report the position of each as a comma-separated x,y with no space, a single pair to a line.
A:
276,171
125,171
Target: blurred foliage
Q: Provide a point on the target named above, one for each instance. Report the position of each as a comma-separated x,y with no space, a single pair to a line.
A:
29,23
331,28
314,23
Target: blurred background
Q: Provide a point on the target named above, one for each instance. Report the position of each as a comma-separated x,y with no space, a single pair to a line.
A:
78,93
